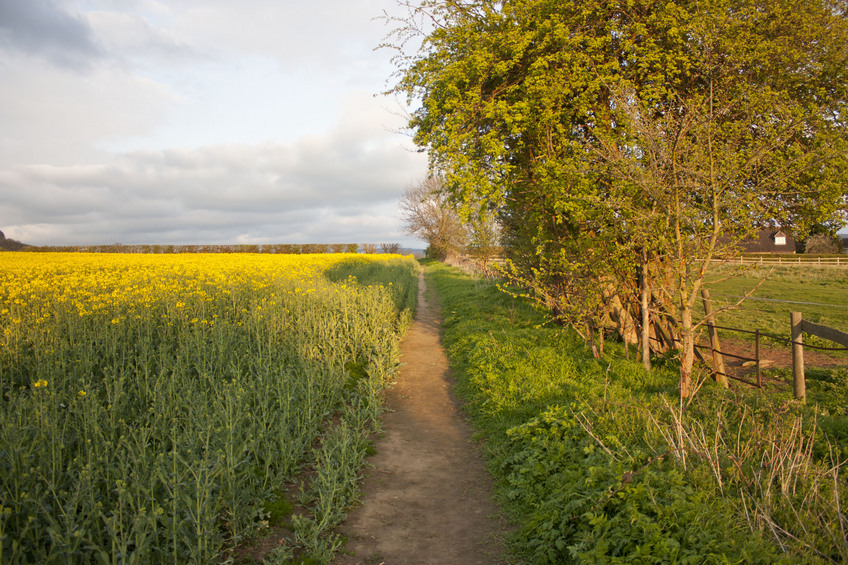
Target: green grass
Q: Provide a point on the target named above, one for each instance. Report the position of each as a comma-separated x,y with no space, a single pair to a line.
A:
820,294
597,462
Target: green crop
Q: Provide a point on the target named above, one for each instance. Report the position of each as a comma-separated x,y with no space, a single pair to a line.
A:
152,406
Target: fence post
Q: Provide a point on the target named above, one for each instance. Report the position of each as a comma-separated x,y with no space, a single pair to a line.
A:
800,385
757,355
718,360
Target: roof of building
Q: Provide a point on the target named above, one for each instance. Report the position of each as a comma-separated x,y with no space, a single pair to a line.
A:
767,241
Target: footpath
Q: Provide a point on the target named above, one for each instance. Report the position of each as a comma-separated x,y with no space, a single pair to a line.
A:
427,497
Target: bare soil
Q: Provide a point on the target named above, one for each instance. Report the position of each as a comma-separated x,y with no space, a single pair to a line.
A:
771,357
427,497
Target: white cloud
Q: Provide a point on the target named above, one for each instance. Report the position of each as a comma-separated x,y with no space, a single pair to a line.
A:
341,185
51,115
135,39
327,34
197,121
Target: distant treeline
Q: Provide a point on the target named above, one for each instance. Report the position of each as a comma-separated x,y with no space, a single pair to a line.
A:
290,248
10,244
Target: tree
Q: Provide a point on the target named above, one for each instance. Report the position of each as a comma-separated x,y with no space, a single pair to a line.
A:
484,238
429,215
10,244
625,144
823,244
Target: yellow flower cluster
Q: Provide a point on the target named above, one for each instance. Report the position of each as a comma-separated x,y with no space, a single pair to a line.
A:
109,289
185,359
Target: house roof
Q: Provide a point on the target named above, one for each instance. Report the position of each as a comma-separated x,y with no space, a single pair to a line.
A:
764,242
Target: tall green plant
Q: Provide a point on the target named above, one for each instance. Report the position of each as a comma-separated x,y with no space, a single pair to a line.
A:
154,430
632,136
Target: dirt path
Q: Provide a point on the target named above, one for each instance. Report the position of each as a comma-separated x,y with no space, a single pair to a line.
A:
427,498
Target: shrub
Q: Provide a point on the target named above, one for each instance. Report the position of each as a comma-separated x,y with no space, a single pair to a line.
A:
823,244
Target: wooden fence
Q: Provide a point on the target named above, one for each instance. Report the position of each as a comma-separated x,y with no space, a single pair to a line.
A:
798,326
788,259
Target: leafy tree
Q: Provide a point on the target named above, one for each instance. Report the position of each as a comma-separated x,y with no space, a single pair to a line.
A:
484,236
7,244
627,143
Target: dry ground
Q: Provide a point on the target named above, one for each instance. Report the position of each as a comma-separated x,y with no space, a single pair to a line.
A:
427,498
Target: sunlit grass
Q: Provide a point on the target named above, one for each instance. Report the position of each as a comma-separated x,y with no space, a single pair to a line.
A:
598,461
819,293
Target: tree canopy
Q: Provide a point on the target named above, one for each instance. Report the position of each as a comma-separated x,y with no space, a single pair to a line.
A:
626,143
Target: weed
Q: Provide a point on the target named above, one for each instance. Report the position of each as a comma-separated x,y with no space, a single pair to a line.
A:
278,509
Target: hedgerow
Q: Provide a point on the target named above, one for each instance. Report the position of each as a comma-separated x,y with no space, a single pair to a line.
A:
600,462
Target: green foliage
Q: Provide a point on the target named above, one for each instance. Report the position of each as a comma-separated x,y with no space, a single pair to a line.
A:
591,506
158,438
277,509
396,277
597,462
613,134
333,489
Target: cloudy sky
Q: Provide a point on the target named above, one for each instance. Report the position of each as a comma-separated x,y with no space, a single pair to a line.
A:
199,121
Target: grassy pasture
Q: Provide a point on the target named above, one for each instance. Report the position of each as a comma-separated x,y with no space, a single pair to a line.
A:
819,293
598,462
155,408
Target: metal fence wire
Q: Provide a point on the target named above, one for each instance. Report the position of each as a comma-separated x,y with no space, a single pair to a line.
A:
756,359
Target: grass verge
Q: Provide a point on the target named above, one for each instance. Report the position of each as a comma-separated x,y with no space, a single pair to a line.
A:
597,462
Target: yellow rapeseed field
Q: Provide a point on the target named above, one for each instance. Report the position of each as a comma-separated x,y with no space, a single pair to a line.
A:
33,285
154,407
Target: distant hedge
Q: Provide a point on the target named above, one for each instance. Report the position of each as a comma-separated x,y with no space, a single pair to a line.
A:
284,248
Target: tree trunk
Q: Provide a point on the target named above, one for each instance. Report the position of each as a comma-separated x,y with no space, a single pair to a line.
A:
620,314
715,345
600,342
687,353
646,316
590,333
